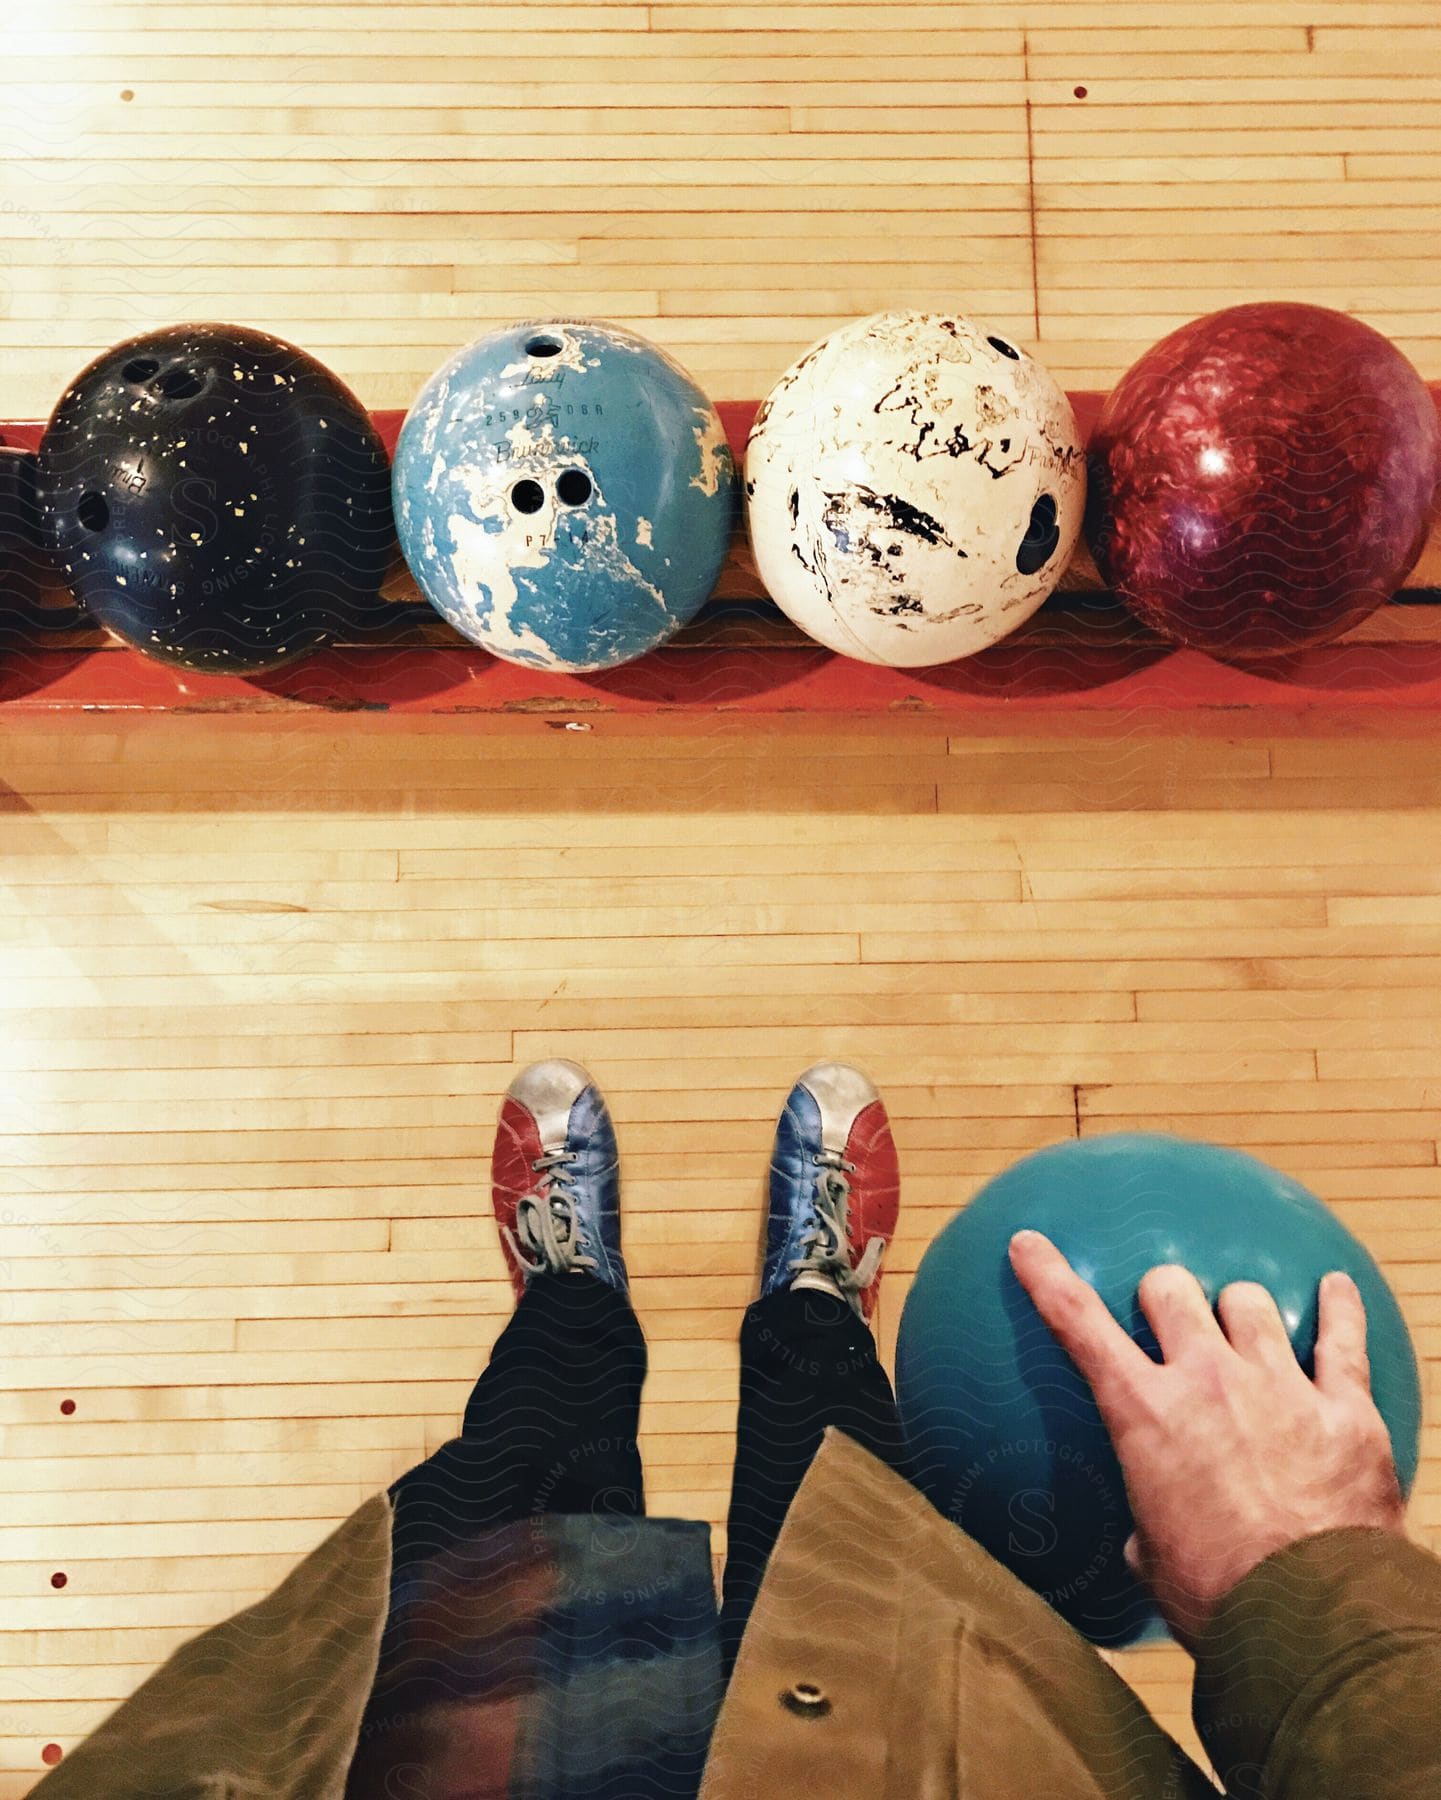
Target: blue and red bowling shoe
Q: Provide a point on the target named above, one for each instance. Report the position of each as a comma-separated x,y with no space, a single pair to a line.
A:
555,1178
835,1188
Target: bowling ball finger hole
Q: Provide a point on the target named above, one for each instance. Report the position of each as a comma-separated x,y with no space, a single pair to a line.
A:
1004,348
527,496
93,512
574,487
141,369
544,346
1043,536
179,384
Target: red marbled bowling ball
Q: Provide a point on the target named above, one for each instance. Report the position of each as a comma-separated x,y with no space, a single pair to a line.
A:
1263,478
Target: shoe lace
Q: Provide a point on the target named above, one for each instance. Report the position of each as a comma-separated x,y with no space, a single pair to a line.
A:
547,1238
825,1243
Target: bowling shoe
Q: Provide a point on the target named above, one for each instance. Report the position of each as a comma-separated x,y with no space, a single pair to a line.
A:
555,1178
834,1187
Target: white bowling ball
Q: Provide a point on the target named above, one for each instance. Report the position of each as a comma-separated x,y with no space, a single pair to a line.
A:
915,486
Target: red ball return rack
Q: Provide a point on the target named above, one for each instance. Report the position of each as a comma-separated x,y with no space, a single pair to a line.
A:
1081,664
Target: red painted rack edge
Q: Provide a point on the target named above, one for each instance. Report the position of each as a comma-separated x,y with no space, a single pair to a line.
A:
1011,686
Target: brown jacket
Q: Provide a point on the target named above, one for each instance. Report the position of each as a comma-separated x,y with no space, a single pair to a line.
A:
888,1658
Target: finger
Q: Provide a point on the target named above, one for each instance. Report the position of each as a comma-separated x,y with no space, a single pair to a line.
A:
1134,1559
1099,1347
1254,1327
1342,1363
1177,1310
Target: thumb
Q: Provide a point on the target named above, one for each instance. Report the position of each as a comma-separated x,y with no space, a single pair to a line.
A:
1135,1559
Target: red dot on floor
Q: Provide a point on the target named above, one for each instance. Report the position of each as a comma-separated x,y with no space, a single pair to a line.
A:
1081,93
58,1579
67,1407
51,1754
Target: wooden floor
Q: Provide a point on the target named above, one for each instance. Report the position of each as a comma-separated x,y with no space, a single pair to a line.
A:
261,991
381,183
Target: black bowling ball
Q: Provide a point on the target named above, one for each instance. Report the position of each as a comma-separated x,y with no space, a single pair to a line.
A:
216,497
20,559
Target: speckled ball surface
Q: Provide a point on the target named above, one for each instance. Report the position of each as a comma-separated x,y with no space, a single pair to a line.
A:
564,494
915,486
216,497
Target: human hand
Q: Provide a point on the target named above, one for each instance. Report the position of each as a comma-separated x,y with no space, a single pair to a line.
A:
1229,1450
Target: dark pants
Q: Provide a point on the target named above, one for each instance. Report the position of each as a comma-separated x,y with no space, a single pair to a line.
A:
551,1426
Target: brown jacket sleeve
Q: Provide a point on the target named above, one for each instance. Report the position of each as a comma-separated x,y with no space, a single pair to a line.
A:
1320,1673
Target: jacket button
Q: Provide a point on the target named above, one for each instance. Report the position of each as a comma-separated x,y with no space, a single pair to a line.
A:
806,1700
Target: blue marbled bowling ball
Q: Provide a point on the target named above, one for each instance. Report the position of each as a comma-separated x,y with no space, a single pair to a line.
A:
1007,1438
564,494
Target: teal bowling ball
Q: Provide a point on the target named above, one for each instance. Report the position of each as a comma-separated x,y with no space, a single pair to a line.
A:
565,494
1006,1437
